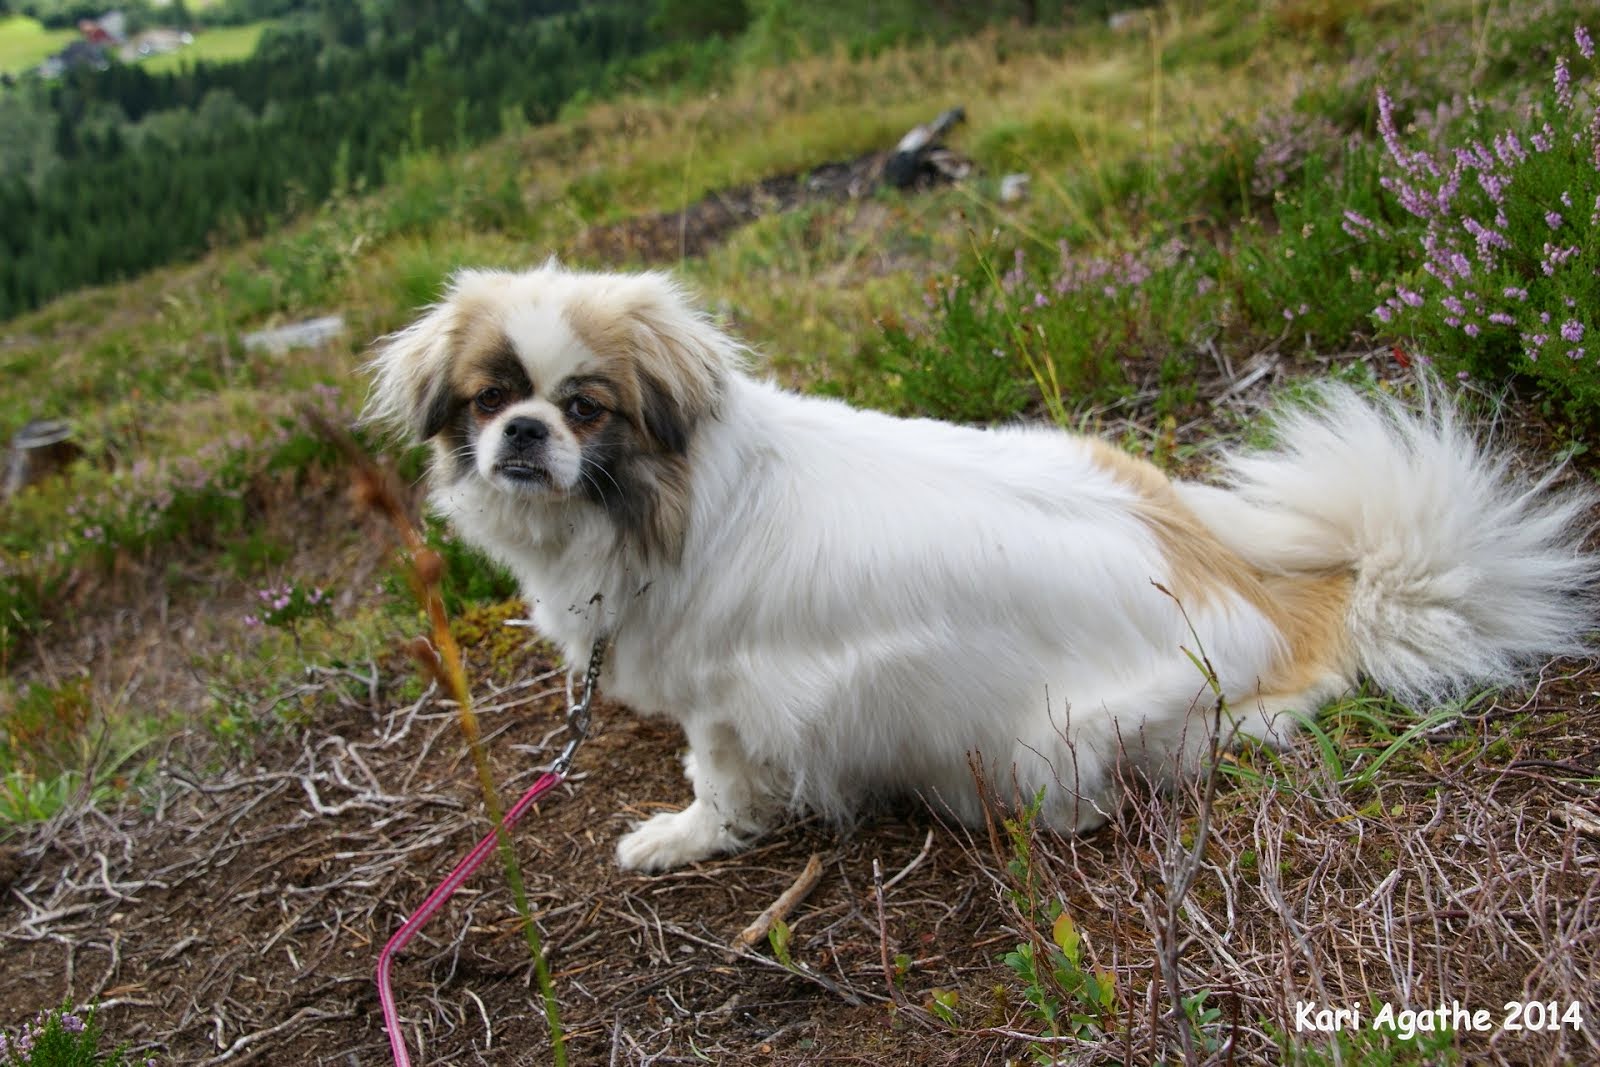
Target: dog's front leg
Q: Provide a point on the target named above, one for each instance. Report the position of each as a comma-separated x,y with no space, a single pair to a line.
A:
733,804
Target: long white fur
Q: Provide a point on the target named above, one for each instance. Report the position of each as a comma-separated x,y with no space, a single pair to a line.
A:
1467,572
863,601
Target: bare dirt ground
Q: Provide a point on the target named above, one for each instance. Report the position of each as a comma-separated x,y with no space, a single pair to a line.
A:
706,223
237,916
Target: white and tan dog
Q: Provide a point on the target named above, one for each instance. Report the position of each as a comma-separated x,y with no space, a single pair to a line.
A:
835,603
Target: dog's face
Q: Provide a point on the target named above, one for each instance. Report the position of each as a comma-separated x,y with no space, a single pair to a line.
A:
552,385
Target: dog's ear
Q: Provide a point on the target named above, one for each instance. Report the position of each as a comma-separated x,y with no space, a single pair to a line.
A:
666,419
410,376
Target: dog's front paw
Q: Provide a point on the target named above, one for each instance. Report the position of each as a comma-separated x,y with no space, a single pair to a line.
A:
673,839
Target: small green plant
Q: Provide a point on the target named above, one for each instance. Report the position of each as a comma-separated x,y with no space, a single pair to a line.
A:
63,1038
1203,1019
778,937
1066,998
284,606
942,1004
28,798
1369,1047
1064,995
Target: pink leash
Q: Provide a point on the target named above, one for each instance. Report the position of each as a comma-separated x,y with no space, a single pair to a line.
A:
577,728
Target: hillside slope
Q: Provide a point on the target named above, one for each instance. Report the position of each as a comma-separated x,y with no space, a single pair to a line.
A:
222,784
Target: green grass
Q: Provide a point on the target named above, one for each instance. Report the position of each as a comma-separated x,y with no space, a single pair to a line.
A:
25,43
219,45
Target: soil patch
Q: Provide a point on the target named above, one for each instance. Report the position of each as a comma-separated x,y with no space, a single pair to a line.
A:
236,917
674,235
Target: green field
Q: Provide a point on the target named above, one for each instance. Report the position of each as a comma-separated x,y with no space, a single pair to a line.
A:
24,42
215,46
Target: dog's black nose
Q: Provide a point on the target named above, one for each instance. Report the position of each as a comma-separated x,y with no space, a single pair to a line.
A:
523,431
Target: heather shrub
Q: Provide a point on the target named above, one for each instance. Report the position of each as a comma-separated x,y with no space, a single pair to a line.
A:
470,577
1312,275
204,497
1242,167
1070,333
1500,232
62,1039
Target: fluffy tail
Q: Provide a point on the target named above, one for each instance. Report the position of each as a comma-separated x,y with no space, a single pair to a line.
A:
1467,570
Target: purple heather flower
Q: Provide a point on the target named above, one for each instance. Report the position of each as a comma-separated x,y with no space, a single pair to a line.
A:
1584,41
1383,313
71,1023
1514,293
1410,296
1563,84
1542,139
1359,221
1471,329
1575,353
1391,136
1572,330
1556,257
1013,277
1500,318
1509,149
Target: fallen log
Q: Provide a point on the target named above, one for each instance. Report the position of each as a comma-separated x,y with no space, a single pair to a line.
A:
922,150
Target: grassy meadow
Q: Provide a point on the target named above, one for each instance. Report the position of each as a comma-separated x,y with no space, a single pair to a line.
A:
25,42
216,44
1226,201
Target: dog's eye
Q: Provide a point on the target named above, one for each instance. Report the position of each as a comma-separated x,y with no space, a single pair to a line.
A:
490,400
582,409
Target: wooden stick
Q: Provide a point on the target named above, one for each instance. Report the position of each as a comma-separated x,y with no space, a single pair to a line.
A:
781,907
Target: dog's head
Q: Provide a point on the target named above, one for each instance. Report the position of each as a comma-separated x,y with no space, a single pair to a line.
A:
553,385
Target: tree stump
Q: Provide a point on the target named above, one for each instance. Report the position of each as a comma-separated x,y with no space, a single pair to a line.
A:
41,448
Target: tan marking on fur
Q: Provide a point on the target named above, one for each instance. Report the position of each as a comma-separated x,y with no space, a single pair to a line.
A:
638,337
1308,610
631,339
476,336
